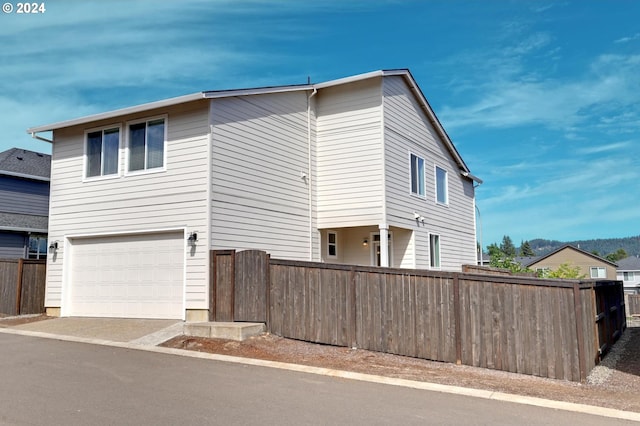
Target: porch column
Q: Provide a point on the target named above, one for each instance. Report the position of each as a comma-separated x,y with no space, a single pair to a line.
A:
384,244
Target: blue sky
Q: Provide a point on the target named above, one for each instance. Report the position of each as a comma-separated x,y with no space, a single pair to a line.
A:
542,99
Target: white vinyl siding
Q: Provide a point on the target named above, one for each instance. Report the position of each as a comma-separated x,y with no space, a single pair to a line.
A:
349,155
260,192
407,128
135,203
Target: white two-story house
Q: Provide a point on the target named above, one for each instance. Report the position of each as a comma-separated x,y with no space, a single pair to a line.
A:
357,171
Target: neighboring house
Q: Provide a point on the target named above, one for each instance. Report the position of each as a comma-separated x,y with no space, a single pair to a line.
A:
356,171
592,266
24,203
629,273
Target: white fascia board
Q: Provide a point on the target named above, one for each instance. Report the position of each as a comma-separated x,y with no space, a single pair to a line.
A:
118,112
25,176
214,94
17,229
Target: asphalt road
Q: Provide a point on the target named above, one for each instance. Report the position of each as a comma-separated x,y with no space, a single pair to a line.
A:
52,382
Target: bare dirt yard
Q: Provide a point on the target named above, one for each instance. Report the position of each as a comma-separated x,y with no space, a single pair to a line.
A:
615,383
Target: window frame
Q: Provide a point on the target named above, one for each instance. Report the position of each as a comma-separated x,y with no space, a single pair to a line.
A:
437,185
420,189
42,250
85,165
598,269
330,244
145,169
435,262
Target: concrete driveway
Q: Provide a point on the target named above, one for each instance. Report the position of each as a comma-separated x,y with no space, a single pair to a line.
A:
141,331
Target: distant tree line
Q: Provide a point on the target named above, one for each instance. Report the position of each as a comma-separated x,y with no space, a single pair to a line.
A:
504,254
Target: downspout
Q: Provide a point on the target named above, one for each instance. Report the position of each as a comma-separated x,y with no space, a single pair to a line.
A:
309,179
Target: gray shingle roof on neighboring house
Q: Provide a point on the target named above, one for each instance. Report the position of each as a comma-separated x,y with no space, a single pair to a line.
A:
23,222
631,263
25,163
526,261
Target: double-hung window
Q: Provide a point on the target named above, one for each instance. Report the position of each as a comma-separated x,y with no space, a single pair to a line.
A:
417,175
598,272
147,145
102,148
442,190
332,244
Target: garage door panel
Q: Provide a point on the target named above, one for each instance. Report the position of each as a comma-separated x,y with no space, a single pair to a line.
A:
133,276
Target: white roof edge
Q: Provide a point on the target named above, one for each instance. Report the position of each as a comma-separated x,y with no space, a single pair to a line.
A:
24,175
117,112
213,94
18,229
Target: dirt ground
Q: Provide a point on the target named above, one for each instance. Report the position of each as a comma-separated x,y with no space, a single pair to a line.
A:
616,382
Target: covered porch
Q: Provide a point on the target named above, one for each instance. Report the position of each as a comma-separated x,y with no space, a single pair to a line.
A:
362,246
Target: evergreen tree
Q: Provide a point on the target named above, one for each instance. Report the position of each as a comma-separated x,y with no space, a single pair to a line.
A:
507,246
619,254
526,250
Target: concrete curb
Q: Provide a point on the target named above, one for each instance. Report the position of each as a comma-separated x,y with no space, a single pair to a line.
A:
434,387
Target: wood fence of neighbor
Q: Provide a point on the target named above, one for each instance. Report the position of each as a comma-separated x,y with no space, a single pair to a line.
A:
634,304
22,283
550,328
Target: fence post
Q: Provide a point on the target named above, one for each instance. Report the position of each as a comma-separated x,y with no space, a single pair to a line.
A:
353,329
456,314
19,285
577,302
267,296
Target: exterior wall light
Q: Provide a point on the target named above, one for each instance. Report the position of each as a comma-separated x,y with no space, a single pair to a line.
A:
193,237
365,242
53,246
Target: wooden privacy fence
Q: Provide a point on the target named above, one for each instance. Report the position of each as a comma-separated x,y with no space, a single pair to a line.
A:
22,283
634,304
550,328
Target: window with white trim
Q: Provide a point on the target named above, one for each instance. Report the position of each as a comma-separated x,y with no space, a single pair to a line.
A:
146,144
37,247
101,151
442,186
598,272
417,175
332,244
434,250
628,276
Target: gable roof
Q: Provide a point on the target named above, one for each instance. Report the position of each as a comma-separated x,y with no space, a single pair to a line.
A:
631,263
22,163
405,73
569,246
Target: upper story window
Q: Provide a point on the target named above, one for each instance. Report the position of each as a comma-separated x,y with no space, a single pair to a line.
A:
442,186
146,144
101,148
598,272
417,175
629,276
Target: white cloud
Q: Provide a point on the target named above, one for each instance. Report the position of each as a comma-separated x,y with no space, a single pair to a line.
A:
636,36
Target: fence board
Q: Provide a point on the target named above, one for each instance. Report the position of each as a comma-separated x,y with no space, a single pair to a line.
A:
251,277
8,282
634,304
22,286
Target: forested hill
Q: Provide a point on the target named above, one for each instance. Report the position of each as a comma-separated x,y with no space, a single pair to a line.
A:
603,246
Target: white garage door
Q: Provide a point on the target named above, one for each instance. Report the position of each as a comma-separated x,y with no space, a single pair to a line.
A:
132,276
